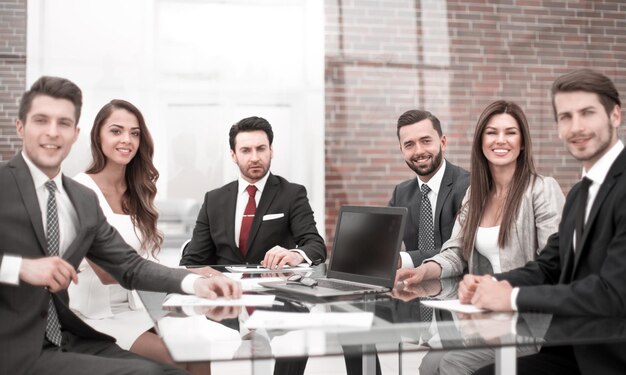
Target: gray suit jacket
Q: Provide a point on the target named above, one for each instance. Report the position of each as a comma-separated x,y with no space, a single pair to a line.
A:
538,217
407,194
23,307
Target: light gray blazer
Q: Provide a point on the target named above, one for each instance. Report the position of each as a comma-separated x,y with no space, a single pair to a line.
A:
538,217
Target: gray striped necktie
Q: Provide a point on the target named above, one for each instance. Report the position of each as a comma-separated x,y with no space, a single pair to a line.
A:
53,326
426,240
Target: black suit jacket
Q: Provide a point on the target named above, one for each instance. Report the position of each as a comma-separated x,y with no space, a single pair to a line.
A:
407,194
213,240
23,307
591,281
605,359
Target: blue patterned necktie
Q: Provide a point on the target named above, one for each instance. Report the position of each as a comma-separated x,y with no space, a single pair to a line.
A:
53,326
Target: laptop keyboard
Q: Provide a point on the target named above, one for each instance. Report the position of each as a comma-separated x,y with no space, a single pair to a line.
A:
341,286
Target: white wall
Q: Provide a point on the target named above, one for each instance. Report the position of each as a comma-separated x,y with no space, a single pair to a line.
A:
194,67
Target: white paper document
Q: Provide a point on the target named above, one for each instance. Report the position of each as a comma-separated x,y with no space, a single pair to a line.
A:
453,305
253,283
197,338
245,300
285,320
261,269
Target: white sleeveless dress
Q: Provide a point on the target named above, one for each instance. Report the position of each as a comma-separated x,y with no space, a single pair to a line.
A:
110,309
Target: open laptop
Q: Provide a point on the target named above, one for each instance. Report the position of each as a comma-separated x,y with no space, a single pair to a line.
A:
364,257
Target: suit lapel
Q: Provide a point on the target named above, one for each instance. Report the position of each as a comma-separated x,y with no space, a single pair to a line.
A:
81,211
269,192
29,197
616,169
604,191
415,197
566,252
444,191
230,205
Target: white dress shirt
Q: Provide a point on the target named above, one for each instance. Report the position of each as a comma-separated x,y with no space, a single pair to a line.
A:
434,184
68,219
597,173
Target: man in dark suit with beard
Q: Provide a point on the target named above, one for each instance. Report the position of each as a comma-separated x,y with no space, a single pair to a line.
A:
259,218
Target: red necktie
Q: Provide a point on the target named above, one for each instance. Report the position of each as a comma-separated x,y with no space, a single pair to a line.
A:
246,221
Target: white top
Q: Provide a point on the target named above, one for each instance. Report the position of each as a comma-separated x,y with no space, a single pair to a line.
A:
486,244
110,309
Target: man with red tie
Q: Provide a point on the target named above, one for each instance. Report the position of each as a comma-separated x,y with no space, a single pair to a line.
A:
260,217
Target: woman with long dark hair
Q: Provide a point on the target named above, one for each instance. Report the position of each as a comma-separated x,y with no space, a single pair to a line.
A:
509,211
123,177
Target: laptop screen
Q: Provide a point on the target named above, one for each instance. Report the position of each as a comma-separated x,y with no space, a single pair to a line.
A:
367,242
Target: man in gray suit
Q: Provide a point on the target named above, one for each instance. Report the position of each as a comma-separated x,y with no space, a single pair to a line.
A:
48,224
422,144
439,187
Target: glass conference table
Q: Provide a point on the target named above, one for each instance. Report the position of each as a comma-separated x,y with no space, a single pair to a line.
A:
401,324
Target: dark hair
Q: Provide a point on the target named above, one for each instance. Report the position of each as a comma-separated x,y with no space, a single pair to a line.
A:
416,115
56,87
247,125
141,175
481,180
589,81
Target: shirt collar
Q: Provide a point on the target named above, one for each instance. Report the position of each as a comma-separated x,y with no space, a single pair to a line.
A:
40,178
435,181
260,185
600,169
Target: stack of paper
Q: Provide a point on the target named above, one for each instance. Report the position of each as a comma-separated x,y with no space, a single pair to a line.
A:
197,338
286,320
261,269
245,300
453,305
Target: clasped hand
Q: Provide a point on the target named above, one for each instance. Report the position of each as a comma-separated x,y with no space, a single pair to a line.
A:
277,257
485,292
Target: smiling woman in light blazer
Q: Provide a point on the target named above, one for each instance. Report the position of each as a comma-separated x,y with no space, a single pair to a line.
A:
508,212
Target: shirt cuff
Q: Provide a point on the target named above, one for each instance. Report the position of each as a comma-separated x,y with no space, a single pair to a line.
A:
187,284
514,294
306,258
406,260
10,269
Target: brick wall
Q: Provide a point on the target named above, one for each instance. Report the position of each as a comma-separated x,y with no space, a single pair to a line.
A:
12,71
386,56
452,58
